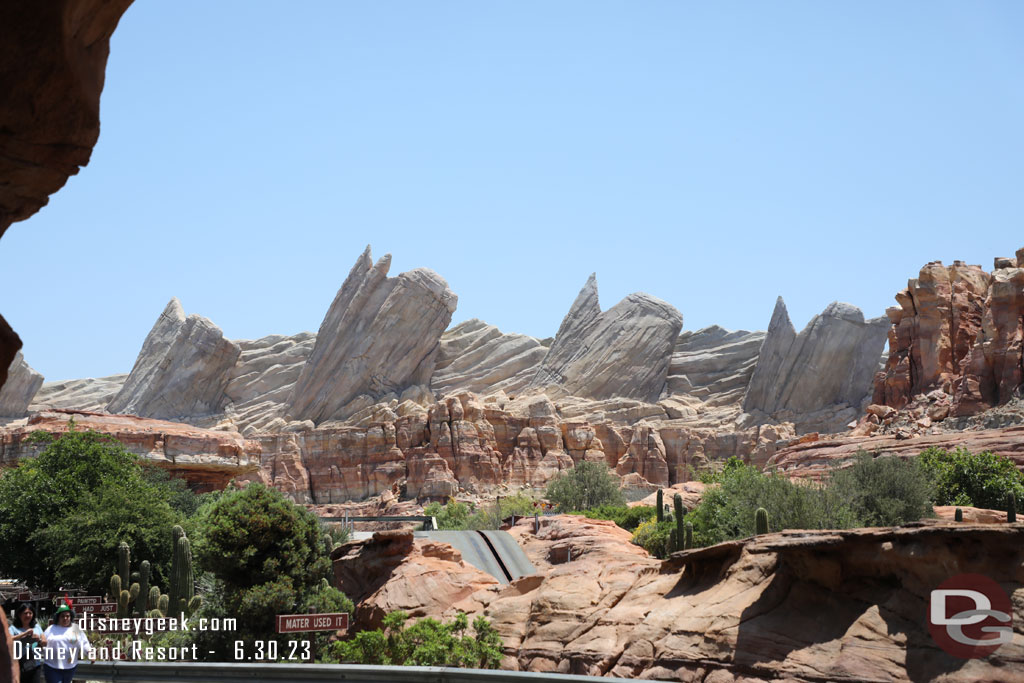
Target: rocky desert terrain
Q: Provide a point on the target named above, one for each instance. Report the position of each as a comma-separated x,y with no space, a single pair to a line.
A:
388,396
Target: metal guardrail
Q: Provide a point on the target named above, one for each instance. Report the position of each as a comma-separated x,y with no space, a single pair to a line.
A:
432,521
152,672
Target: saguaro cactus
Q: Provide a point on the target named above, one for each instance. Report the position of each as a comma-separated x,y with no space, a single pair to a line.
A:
1011,507
140,602
688,537
182,585
958,515
660,512
115,587
761,521
123,601
124,555
673,541
677,504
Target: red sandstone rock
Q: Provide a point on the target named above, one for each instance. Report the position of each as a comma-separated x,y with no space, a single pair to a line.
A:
393,571
960,330
815,459
203,457
796,606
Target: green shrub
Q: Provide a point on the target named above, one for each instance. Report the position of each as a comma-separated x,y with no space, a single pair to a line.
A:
727,511
629,518
885,491
427,643
653,536
983,480
458,516
588,485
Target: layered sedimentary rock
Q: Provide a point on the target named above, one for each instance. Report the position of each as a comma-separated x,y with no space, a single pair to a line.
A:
379,337
264,377
182,370
748,610
22,384
819,378
478,357
206,458
91,394
958,330
622,352
714,364
479,445
812,459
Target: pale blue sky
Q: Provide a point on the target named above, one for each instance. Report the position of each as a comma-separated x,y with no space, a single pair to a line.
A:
715,155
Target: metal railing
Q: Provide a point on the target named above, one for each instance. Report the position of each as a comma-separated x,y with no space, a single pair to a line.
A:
431,521
152,672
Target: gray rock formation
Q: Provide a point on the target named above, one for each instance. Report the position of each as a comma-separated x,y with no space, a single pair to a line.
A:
478,357
182,369
622,352
22,384
264,376
830,363
379,337
91,394
714,364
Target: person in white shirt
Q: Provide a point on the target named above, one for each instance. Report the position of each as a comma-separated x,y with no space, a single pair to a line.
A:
65,644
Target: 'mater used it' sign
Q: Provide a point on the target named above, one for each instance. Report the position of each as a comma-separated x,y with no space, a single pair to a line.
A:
296,623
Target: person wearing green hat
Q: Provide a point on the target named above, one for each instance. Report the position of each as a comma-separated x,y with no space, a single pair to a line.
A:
65,643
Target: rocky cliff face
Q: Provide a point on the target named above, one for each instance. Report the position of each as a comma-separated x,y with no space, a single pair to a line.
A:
958,330
478,357
798,605
206,458
182,369
466,442
821,378
22,384
379,337
623,352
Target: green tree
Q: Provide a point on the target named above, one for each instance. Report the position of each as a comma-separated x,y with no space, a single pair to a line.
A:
983,480
426,643
63,513
268,557
588,485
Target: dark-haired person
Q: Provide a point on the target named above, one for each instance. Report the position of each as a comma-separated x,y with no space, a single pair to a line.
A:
65,644
25,629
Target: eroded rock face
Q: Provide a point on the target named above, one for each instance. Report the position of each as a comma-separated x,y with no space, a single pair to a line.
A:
182,370
622,352
812,459
22,384
379,337
714,364
53,55
394,571
209,459
478,357
264,377
958,330
805,377
797,605
90,394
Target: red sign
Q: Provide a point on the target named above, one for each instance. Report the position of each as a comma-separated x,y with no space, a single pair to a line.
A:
296,623
101,608
83,600
24,596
